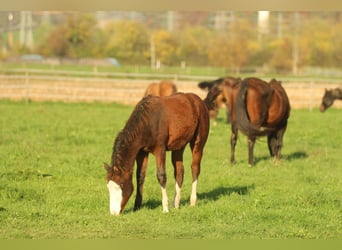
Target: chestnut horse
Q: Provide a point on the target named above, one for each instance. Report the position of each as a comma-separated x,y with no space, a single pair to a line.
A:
163,88
329,97
156,125
258,109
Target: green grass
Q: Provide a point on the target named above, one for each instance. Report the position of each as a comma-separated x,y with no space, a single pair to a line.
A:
52,180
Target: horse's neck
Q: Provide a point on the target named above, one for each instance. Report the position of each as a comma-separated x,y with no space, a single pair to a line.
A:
337,94
125,155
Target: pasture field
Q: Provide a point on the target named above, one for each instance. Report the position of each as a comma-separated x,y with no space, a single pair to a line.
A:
52,180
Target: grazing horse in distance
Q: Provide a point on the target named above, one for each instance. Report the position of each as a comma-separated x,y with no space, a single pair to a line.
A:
156,125
258,109
163,88
329,97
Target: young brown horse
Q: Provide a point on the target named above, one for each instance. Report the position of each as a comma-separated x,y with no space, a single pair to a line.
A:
163,88
156,125
329,97
258,109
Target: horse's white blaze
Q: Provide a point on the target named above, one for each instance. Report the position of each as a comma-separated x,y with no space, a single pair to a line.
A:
165,200
177,196
193,197
115,198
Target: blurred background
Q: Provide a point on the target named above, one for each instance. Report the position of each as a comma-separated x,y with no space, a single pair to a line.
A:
255,41
113,55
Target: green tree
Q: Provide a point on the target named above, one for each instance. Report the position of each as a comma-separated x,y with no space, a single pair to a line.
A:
80,29
56,43
233,49
282,53
128,41
76,37
166,47
318,36
337,45
193,47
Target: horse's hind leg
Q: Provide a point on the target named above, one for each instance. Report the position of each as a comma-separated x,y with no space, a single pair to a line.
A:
233,140
272,142
142,160
251,142
197,152
275,142
228,114
161,176
177,162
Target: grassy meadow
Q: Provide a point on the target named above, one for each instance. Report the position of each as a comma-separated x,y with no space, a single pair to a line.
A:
52,180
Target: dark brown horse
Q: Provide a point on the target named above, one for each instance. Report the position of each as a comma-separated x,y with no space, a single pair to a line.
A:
156,125
163,88
258,109
329,97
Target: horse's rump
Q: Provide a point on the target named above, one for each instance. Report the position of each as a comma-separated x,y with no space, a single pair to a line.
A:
163,88
252,105
279,110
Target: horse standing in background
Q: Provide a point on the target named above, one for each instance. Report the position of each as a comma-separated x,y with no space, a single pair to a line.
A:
329,97
258,109
156,125
163,88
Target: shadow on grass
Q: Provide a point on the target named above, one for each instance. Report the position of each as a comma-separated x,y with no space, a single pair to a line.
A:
290,157
212,195
295,156
218,192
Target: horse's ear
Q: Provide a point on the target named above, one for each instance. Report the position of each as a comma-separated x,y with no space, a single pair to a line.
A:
107,167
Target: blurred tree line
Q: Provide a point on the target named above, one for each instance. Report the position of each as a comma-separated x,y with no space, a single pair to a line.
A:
290,41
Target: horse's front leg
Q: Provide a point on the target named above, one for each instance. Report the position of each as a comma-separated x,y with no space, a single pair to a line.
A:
233,140
161,176
251,142
178,167
141,160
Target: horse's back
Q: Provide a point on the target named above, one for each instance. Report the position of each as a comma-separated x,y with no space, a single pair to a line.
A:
185,116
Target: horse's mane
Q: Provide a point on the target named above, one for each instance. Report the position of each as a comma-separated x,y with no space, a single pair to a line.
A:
134,126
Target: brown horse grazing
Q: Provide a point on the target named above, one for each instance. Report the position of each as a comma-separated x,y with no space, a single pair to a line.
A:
163,88
329,97
156,125
258,109
223,98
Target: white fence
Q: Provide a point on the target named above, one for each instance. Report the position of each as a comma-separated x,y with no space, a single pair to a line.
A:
51,87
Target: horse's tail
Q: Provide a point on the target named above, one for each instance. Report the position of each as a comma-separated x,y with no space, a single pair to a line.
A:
211,97
241,115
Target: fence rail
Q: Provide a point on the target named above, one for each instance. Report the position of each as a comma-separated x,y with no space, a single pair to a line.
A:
49,87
